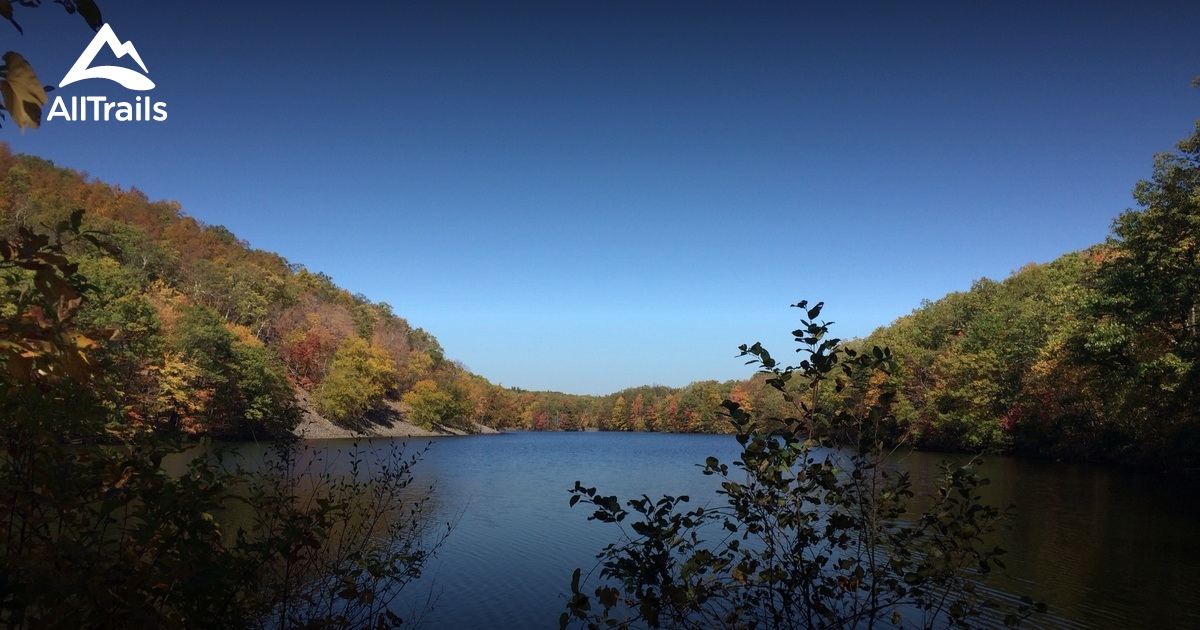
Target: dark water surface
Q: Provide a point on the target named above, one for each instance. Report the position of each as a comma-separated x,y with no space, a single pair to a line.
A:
1104,549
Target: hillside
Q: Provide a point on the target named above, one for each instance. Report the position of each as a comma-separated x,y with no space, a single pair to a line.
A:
1094,356
218,338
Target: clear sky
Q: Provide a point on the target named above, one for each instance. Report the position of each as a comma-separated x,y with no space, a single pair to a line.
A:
589,195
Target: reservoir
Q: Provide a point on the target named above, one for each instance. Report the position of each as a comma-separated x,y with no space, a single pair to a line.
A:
1103,548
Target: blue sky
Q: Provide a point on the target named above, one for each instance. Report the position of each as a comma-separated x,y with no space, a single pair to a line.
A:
586,196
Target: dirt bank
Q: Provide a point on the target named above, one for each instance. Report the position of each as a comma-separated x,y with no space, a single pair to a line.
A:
387,421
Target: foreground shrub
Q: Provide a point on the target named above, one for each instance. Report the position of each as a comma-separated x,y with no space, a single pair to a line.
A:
95,532
817,530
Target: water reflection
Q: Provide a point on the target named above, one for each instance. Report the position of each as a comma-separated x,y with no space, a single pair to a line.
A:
1104,549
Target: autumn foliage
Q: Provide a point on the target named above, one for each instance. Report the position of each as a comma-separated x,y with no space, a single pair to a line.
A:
196,330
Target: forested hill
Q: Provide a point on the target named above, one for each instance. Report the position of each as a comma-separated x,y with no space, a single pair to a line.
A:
1094,356
215,337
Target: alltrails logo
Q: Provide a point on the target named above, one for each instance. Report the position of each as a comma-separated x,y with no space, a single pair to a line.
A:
99,108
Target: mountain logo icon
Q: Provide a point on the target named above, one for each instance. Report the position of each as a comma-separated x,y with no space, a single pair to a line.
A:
128,78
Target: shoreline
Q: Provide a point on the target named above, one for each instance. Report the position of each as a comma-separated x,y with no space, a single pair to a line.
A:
326,430
385,423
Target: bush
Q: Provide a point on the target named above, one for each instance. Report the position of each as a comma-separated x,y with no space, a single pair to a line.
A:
95,533
816,529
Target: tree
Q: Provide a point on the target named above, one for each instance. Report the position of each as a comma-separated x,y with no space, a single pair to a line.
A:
430,405
966,407
816,530
264,398
637,414
701,401
669,416
499,407
359,376
1146,334
240,383
620,415
1157,274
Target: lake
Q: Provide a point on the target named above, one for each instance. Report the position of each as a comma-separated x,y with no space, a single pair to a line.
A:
1105,549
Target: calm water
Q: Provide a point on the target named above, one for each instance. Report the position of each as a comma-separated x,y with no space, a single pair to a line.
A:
1103,549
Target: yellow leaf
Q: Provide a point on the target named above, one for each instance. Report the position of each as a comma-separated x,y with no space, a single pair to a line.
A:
83,342
126,475
739,574
23,93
